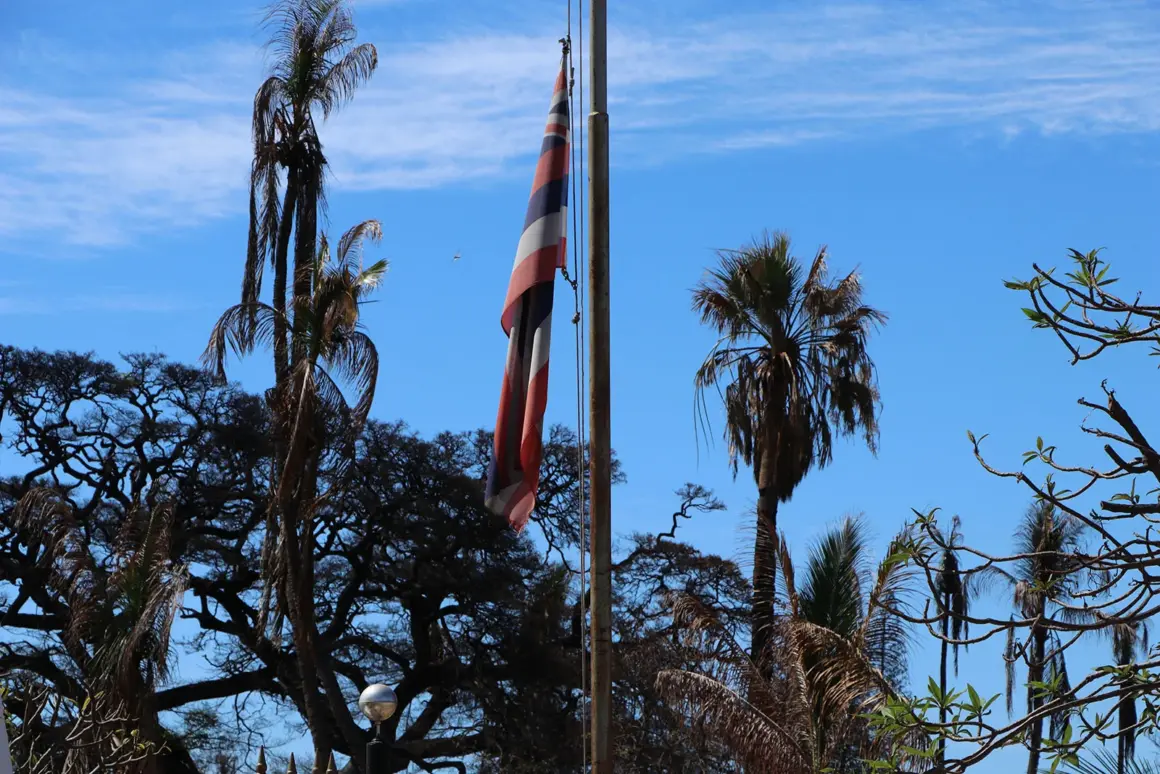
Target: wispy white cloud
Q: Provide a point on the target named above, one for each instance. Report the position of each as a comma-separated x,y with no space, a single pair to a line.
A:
172,150
148,156
112,302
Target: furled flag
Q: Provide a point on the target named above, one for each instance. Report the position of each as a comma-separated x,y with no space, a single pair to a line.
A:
514,474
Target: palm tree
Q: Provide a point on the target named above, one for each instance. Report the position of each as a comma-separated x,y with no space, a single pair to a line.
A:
120,613
317,67
335,349
954,606
792,369
836,653
1127,640
1044,583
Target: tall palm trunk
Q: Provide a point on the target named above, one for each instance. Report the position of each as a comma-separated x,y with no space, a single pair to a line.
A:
765,554
942,681
301,465
293,438
296,502
1034,702
305,245
281,261
1123,653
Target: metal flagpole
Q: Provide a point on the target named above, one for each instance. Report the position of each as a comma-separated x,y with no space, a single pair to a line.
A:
600,449
5,754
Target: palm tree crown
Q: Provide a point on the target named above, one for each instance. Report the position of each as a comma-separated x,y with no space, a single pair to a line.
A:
1044,581
792,356
316,67
327,328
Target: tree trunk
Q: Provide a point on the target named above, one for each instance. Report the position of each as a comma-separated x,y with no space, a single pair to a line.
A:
301,469
296,498
281,255
1125,743
765,557
942,682
1034,675
305,248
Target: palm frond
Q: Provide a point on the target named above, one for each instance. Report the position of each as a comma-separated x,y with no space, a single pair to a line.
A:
255,257
351,243
240,328
356,360
46,518
372,276
344,77
760,742
791,364
886,637
954,587
831,592
760,721
1103,761
787,578
149,590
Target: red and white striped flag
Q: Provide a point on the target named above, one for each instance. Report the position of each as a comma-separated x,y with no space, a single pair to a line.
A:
514,473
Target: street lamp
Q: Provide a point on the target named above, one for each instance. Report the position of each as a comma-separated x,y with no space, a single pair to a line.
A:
378,703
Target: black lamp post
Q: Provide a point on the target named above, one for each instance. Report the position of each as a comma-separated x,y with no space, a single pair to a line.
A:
378,703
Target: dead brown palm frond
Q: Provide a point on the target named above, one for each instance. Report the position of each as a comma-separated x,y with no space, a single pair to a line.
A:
350,245
240,329
45,518
759,742
757,719
846,673
728,658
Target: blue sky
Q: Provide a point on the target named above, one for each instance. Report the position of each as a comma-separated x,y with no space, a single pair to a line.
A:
940,147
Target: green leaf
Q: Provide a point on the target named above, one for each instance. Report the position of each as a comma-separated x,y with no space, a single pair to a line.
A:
1034,315
899,557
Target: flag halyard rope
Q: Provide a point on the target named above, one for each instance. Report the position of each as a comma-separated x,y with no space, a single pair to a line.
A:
576,280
